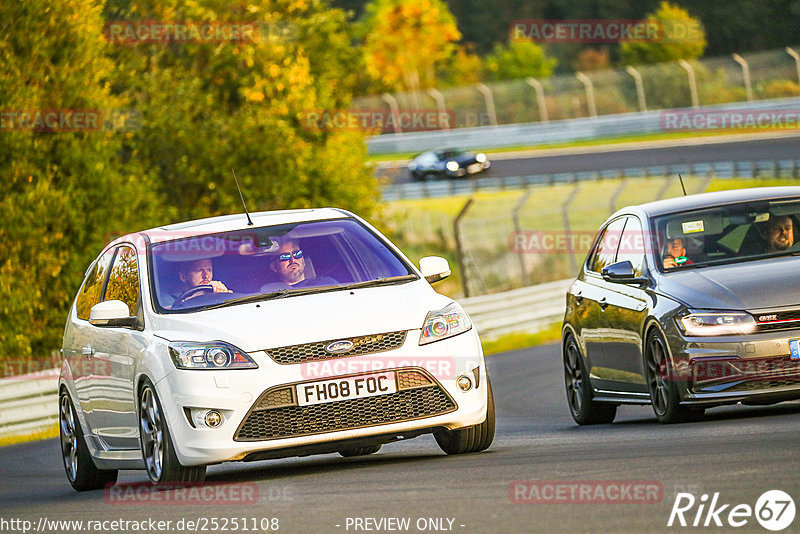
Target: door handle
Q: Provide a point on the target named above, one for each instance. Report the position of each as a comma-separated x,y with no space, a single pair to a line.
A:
579,298
603,304
87,351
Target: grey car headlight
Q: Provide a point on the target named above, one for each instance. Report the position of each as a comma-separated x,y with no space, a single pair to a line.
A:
446,322
718,323
215,355
452,166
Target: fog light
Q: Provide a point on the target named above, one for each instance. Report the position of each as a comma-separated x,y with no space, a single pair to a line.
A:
213,419
464,383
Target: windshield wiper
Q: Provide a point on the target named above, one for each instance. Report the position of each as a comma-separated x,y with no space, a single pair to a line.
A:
382,281
248,298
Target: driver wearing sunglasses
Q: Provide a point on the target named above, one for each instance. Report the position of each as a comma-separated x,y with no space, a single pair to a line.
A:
291,267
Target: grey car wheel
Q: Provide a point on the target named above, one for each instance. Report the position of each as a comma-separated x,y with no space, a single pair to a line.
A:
662,385
159,455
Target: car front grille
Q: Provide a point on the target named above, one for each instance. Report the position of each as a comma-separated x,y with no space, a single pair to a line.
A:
276,413
310,352
785,320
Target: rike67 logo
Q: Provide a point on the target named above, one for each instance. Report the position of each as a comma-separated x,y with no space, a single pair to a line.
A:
774,510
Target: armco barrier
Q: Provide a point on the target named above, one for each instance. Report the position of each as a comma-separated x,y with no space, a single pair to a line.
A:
531,134
29,403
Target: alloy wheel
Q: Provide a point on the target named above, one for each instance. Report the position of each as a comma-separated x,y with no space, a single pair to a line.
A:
152,434
69,437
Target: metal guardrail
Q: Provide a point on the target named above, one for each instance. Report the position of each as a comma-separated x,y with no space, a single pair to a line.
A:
29,403
527,309
531,134
789,168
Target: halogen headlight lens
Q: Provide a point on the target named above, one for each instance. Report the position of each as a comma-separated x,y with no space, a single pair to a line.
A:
441,324
216,355
452,166
718,323
480,158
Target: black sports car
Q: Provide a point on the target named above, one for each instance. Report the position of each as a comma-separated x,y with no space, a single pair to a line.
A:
447,163
685,304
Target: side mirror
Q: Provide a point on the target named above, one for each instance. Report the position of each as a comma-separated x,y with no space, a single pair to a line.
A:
434,268
622,273
111,313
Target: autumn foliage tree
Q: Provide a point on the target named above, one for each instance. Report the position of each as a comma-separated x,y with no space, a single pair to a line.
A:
405,40
682,37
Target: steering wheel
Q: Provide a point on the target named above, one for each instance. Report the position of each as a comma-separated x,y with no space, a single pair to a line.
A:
192,292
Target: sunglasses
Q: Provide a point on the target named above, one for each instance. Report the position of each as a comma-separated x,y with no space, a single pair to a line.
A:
296,254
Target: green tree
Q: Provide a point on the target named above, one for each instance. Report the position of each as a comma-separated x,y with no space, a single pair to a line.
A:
518,59
64,191
405,40
682,37
248,105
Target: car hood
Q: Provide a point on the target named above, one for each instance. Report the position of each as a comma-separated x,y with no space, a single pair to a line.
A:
306,318
742,286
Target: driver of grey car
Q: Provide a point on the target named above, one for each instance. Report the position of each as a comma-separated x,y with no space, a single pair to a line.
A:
779,234
199,273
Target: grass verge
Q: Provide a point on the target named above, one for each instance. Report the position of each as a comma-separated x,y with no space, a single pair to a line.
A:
515,341
51,432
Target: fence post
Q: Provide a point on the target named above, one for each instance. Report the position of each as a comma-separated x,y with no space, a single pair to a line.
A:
436,95
637,79
540,101
692,82
565,218
518,230
746,75
587,83
392,101
459,247
489,99
796,58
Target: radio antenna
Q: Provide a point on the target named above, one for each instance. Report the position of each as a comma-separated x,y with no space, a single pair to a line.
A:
679,176
249,220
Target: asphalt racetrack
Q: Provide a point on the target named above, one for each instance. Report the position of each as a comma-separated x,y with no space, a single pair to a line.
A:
736,452
703,150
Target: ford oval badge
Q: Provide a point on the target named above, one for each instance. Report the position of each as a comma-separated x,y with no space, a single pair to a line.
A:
338,347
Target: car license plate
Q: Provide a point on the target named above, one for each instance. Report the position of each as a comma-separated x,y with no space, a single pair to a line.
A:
338,389
794,349
475,167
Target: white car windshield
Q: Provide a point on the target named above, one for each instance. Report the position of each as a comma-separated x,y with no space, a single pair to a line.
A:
214,270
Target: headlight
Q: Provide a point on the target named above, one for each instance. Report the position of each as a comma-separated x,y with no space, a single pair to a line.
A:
480,158
447,322
452,166
215,355
718,323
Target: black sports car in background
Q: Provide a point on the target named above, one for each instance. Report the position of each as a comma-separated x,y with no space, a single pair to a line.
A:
686,304
447,163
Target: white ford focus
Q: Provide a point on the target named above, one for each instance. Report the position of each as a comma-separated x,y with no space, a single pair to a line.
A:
303,332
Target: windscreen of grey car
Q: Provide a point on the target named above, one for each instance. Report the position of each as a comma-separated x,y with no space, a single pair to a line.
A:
747,231
249,264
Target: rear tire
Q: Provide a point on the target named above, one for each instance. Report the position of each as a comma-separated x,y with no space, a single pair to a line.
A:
579,392
82,473
474,438
158,452
360,451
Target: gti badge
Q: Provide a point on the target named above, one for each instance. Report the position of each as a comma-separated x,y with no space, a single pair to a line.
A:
339,347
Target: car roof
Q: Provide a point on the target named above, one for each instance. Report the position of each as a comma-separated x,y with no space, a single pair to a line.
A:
704,200
228,223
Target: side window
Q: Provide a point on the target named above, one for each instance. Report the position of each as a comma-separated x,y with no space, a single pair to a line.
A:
631,245
89,294
606,247
123,282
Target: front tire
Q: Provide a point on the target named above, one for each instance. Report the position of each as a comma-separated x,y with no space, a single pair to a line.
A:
584,410
474,438
82,474
158,451
662,385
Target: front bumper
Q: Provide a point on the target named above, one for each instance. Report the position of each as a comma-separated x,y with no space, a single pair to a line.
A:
728,369
250,424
